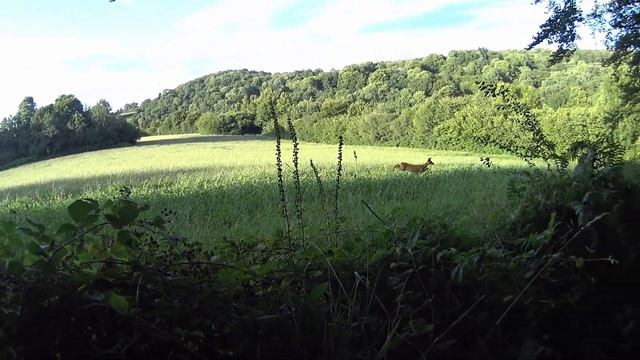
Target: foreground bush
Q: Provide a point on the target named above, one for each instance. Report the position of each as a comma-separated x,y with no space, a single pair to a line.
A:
560,282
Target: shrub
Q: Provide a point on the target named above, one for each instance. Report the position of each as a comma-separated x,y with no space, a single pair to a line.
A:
210,123
566,126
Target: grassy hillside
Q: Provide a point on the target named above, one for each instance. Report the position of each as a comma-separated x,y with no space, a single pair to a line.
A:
225,186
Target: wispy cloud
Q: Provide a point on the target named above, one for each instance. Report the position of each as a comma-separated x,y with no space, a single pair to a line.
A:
296,13
135,62
449,15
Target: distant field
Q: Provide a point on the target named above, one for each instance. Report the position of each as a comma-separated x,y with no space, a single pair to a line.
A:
226,185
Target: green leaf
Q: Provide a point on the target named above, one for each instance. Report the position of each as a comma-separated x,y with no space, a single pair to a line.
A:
125,238
109,204
113,220
317,294
60,255
10,232
14,266
158,222
9,227
420,326
118,303
127,212
47,267
41,228
35,249
119,251
66,228
197,333
396,340
84,211
262,269
349,246
378,255
179,332
28,231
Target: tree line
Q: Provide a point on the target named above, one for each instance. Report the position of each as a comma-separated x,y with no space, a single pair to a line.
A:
63,127
429,102
432,101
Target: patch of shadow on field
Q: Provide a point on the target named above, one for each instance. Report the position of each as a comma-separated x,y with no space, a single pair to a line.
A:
77,185
203,139
394,186
462,199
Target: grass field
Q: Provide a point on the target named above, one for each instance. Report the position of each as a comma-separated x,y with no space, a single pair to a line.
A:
225,186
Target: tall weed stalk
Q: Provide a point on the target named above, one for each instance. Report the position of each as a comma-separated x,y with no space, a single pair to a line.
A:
296,176
323,197
281,188
337,192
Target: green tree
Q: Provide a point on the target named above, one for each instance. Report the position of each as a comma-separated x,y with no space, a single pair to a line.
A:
266,110
617,20
351,79
18,127
210,123
100,112
26,110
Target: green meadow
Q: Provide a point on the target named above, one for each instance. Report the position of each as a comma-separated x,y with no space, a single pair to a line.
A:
225,186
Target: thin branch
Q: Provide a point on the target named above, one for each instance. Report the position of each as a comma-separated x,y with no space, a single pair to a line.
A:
453,324
227,266
542,269
79,236
373,212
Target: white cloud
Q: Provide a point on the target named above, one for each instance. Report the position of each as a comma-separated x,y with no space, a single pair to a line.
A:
46,67
234,34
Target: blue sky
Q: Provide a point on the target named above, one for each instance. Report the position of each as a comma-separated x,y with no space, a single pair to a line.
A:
130,50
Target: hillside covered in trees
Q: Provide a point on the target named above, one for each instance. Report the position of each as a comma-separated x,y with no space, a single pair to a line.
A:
431,102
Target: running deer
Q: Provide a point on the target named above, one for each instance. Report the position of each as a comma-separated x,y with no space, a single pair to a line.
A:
414,168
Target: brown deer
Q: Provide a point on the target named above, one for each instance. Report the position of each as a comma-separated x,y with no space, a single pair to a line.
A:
414,168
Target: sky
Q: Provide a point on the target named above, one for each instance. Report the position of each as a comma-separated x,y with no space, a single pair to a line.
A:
130,50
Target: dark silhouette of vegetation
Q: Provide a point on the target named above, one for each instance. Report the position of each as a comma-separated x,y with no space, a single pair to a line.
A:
63,127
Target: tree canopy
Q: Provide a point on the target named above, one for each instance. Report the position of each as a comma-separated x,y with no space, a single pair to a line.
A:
432,101
61,128
617,20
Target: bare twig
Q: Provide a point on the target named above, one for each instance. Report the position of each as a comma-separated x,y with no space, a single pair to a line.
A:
453,324
373,212
542,269
79,236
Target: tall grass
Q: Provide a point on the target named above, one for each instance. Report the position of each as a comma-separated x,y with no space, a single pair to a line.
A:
226,186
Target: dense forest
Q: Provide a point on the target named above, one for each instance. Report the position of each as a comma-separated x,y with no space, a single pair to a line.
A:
63,127
431,102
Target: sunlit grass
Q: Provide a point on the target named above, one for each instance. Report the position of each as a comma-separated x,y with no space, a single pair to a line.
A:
225,186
